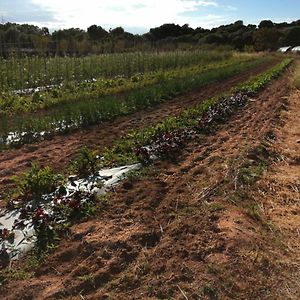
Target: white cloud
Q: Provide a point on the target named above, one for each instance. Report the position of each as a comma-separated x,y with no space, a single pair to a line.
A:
210,21
128,13
230,8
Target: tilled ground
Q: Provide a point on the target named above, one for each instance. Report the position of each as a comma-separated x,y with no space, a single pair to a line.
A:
58,151
191,228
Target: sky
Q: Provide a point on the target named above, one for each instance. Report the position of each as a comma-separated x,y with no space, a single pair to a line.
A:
138,16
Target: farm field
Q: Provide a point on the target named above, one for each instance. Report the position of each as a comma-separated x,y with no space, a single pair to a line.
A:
211,212
59,150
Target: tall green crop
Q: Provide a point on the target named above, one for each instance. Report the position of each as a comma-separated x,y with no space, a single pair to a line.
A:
30,72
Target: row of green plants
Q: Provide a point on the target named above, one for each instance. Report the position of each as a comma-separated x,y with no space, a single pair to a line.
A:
161,140
20,73
11,103
83,113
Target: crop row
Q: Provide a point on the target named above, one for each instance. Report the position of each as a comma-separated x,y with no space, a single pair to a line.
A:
30,72
88,112
51,96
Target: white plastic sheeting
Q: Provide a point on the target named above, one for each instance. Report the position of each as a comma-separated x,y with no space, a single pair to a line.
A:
24,238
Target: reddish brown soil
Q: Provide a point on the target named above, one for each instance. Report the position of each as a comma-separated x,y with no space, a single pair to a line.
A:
189,230
58,151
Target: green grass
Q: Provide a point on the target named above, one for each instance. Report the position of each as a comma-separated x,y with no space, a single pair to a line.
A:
250,174
210,291
25,272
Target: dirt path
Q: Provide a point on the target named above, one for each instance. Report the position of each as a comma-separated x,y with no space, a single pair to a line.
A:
58,151
189,229
279,191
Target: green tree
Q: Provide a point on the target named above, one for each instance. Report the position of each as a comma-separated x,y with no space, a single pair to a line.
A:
12,35
117,32
266,24
293,37
96,33
266,39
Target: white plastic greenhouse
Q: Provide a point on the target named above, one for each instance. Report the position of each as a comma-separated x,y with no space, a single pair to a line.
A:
284,49
296,49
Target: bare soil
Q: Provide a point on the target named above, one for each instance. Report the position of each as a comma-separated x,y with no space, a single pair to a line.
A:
192,228
59,150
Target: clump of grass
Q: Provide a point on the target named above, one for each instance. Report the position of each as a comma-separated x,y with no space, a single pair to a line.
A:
211,292
237,196
254,165
89,278
249,175
14,274
254,212
140,174
213,269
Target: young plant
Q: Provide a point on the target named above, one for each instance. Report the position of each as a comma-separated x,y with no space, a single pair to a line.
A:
85,163
37,182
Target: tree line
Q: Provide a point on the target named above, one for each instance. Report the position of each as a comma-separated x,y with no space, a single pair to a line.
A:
28,39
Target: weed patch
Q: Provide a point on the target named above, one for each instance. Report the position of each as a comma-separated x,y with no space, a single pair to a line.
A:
254,212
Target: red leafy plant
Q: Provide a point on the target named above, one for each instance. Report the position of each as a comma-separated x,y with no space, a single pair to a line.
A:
6,235
163,145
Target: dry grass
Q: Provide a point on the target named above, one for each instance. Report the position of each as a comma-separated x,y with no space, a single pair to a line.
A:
296,77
